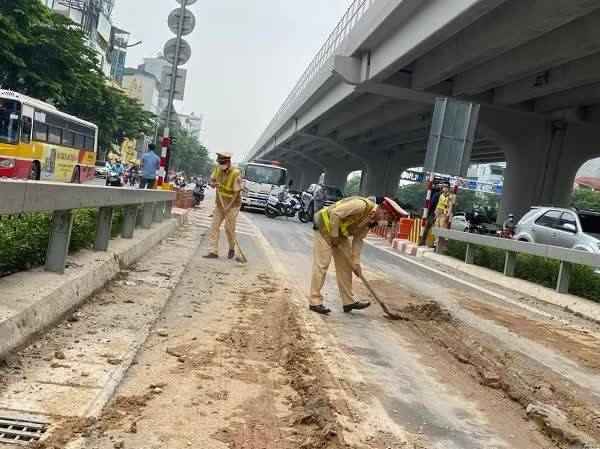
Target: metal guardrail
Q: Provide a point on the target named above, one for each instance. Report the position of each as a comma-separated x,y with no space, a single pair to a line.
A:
512,247
355,12
19,197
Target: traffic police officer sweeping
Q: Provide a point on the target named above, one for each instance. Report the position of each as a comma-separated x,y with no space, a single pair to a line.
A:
334,225
228,181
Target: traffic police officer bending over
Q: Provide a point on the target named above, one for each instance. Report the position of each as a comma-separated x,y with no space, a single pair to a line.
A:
228,181
351,217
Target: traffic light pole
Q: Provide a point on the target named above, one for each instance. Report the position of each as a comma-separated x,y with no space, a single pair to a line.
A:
163,175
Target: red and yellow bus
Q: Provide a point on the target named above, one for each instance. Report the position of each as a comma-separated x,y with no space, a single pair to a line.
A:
38,142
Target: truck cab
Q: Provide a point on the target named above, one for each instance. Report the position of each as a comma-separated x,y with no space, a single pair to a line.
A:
260,178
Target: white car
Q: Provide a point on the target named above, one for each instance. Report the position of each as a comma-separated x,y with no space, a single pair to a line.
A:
101,169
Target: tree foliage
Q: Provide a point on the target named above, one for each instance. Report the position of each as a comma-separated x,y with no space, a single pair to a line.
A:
586,199
43,54
189,155
352,185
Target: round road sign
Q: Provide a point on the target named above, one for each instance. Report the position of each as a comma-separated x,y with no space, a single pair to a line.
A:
189,21
187,3
185,51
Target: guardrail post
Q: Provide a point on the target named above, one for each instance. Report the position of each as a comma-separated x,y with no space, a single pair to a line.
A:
168,209
564,277
441,246
509,264
58,245
159,210
103,228
470,255
147,216
129,221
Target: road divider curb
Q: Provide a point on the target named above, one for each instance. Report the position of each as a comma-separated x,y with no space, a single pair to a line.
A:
32,301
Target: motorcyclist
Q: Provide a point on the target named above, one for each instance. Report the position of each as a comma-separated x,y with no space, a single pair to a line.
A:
320,197
509,224
118,168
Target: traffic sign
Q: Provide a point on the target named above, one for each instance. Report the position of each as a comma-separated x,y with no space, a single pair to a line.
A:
173,140
189,21
187,3
185,51
165,85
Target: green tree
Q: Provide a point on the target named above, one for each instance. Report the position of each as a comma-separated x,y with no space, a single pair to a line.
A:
189,155
412,196
43,54
586,199
352,185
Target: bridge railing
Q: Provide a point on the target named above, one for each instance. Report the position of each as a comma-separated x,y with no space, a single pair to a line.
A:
355,12
513,247
21,197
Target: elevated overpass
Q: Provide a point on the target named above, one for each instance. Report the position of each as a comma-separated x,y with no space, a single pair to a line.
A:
366,100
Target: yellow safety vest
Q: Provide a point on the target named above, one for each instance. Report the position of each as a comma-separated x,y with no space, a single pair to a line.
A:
443,202
348,221
226,191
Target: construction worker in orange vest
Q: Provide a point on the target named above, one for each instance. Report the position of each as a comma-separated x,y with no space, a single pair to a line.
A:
351,217
227,180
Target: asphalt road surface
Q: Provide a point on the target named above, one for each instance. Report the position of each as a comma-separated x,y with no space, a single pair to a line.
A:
182,351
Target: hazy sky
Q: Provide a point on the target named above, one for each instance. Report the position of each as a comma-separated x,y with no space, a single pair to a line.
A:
246,57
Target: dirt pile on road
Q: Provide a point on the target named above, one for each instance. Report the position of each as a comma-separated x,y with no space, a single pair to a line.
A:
275,339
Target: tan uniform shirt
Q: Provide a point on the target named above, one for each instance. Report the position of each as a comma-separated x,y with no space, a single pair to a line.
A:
359,229
236,186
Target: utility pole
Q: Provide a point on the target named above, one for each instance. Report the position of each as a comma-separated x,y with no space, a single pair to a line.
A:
178,53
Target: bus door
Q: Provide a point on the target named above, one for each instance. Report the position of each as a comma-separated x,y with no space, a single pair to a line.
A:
26,124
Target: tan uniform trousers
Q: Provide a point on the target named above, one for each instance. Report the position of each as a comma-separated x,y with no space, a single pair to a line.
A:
441,221
230,224
322,258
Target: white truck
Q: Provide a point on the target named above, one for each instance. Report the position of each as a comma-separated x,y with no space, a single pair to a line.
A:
260,177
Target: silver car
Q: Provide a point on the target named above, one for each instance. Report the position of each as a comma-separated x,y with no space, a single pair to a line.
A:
559,226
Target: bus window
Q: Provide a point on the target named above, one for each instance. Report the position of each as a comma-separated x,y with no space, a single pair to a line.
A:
89,143
68,138
40,132
26,129
79,141
54,135
10,114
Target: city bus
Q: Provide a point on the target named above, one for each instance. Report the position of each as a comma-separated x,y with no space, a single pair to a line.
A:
38,142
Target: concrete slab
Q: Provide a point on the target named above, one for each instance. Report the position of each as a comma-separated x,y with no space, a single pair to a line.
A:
32,301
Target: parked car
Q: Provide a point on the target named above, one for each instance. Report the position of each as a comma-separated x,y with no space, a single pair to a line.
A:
560,226
463,221
332,195
101,169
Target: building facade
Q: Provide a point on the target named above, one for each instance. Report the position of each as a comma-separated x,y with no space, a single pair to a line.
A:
144,86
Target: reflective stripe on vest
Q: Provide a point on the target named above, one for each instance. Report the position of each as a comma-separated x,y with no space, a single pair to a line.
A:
226,191
347,222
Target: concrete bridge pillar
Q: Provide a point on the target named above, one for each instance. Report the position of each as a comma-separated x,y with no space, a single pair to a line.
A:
337,176
542,157
310,175
381,176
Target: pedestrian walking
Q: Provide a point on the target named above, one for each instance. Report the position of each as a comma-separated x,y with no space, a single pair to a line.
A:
435,198
335,225
227,180
150,165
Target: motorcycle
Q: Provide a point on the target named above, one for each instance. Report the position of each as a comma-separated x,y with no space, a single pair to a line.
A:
180,182
114,179
198,193
282,204
508,233
133,177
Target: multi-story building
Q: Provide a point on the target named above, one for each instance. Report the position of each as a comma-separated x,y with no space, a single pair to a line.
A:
192,123
144,86
487,173
93,16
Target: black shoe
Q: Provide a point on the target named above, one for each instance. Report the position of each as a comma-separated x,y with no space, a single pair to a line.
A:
320,309
230,254
211,256
356,306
